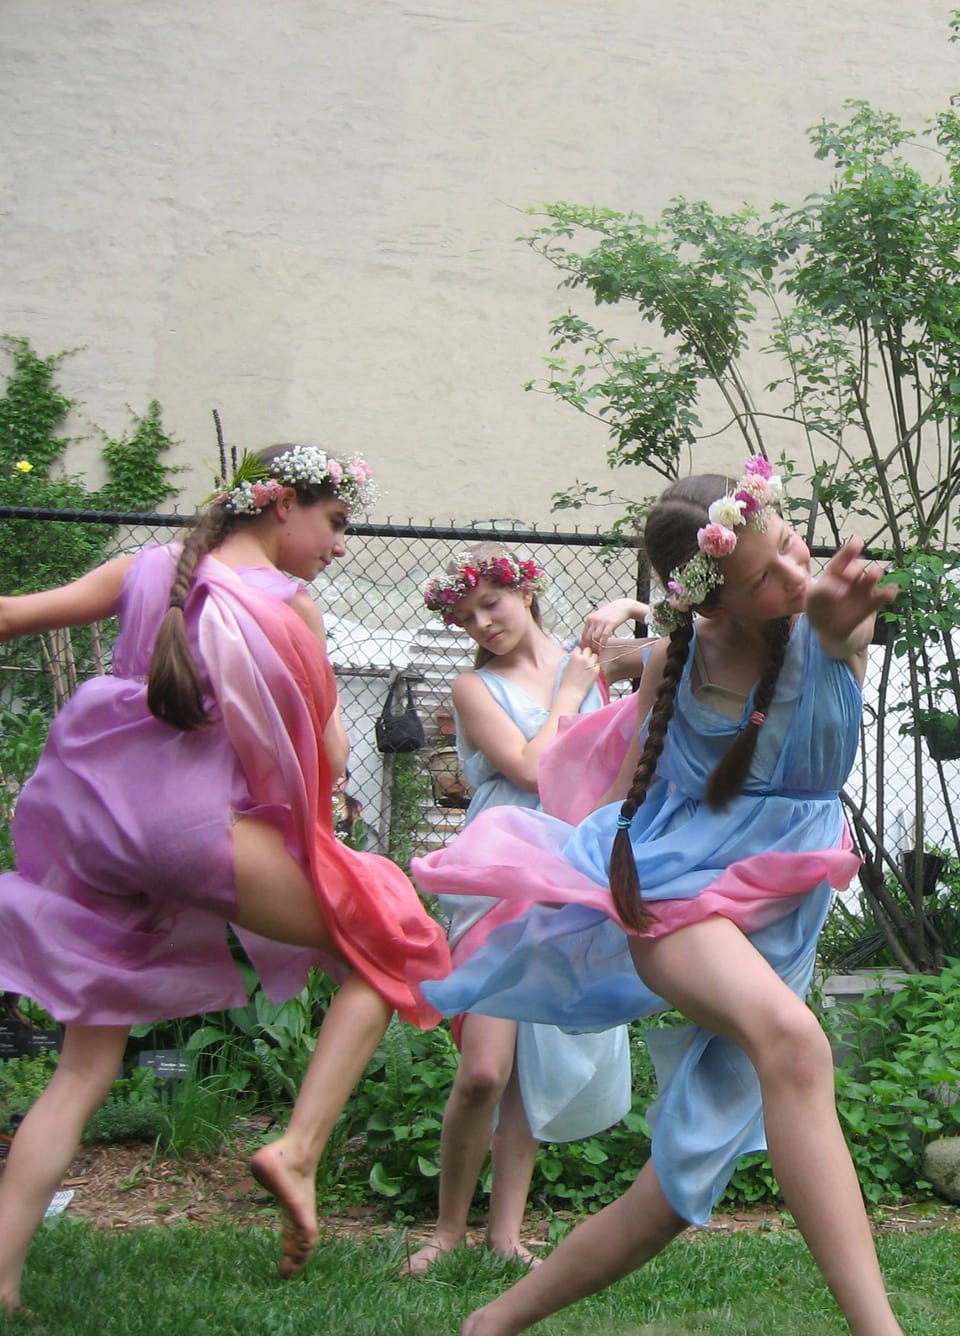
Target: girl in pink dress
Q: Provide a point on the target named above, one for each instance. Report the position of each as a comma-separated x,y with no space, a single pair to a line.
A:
190,789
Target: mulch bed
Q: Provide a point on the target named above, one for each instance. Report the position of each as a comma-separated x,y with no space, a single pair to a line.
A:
127,1187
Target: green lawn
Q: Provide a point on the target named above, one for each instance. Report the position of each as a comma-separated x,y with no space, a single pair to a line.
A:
183,1281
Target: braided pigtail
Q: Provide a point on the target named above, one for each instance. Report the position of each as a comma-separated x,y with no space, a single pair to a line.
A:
174,685
729,775
624,882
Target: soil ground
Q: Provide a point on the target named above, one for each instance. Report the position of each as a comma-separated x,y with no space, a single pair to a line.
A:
127,1187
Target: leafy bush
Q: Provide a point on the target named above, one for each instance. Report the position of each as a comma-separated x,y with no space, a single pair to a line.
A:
132,1112
898,1076
22,735
22,1080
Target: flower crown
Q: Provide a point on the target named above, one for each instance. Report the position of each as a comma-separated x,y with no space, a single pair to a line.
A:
256,484
441,593
756,494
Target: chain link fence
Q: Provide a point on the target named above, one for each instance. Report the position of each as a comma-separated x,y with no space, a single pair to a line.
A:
378,629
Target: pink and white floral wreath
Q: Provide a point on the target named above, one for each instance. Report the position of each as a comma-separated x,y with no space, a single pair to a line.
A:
753,498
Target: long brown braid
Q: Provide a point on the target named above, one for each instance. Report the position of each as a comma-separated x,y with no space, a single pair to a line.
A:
175,687
729,775
670,540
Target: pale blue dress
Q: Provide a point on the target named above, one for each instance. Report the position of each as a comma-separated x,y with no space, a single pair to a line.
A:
768,862
572,1086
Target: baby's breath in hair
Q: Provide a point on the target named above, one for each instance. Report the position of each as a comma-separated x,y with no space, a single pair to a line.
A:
257,483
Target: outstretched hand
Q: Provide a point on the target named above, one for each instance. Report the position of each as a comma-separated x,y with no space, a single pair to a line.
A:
847,594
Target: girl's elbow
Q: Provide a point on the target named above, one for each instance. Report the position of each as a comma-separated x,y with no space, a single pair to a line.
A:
526,781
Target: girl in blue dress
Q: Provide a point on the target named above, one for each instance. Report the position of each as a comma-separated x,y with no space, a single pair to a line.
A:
685,858
533,1081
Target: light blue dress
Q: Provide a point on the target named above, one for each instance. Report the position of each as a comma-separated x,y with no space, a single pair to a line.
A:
573,1086
767,862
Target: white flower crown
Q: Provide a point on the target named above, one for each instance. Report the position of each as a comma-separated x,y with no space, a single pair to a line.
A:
256,484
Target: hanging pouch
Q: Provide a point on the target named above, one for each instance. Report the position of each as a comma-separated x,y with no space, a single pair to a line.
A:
399,730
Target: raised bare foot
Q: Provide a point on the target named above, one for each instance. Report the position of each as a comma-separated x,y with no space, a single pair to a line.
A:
419,1263
295,1191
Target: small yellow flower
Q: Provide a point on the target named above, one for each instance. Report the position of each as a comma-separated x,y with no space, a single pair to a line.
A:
24,466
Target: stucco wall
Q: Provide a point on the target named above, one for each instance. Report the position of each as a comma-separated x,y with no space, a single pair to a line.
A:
304,213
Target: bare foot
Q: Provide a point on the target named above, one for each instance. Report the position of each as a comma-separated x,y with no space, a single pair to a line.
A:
420,1262
517,1253
295,1191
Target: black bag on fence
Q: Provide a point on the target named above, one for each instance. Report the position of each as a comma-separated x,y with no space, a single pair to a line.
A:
399,731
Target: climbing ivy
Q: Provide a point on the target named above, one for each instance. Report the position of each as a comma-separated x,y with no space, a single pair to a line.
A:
36,554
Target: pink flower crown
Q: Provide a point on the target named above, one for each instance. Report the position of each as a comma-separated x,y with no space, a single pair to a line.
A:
444,591
754,497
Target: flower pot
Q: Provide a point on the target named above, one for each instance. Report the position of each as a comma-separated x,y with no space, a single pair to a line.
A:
931,872
450,789
884,629
446,723
942,736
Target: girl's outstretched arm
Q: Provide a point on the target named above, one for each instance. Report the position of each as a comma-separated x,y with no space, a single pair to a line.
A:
842,604
89,599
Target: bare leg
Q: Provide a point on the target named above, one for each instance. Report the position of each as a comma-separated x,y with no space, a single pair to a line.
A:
514,1155
275,898
717,978
352,1028
486,1061
46,1142
602,1249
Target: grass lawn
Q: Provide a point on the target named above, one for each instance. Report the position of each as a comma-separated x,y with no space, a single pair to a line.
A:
183,1281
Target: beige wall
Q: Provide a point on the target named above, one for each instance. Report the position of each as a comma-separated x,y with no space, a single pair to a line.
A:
304,213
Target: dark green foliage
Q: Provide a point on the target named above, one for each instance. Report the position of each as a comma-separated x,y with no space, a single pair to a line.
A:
22,735
133,1111
409,795
850,299
21,1081
138,478
897,1078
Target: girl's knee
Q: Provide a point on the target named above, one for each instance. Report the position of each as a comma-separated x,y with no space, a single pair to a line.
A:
794,1049
480,1082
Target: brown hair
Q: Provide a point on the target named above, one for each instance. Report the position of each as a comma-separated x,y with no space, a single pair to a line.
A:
670,539
175,687
489,551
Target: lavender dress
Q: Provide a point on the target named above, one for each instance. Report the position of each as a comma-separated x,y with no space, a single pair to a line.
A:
118,911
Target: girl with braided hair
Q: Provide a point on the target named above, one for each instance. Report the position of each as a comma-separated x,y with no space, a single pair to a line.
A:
190,789
689,846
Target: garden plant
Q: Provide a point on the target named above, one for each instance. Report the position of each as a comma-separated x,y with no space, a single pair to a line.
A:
845,308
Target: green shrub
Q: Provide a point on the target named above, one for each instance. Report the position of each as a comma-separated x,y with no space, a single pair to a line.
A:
22,1080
